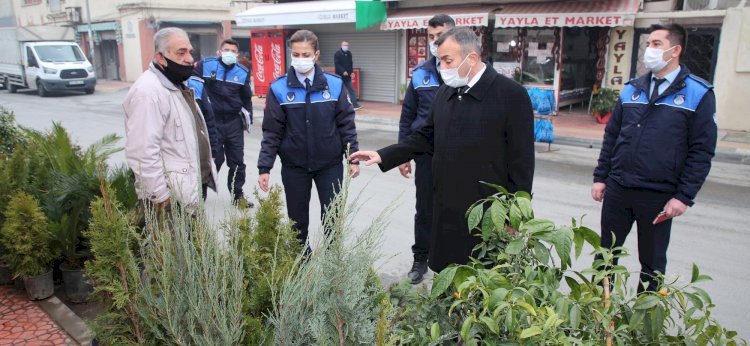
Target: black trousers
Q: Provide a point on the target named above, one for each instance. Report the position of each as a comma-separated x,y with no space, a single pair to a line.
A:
423,217
231,148
624,206
350,89
298,186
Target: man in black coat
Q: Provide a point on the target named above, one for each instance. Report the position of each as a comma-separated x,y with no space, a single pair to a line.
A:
344,64
480,128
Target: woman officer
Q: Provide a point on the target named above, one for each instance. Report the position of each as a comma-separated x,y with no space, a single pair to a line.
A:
309,123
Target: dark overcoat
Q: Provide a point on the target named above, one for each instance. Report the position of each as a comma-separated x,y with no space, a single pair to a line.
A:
486,134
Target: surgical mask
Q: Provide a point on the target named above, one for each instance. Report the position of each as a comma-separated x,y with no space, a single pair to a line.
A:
653,59
228,58
176,73
433,48
303,65
345,48
452,78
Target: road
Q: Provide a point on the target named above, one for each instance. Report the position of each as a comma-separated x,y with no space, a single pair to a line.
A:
711,234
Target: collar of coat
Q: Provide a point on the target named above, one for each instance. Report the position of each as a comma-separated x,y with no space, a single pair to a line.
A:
162,78
644,82
319,81
483,84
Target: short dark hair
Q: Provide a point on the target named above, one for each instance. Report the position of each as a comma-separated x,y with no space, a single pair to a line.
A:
465,37
441,20
676,33
305,36
230,42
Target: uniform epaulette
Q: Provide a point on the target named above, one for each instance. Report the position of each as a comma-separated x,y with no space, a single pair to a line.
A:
241,67
213,58
700,80
331,74
282,77
631,81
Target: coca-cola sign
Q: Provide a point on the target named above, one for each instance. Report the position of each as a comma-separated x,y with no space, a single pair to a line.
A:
276,56
260,70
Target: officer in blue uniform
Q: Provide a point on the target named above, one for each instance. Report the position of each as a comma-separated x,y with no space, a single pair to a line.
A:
424,83
227,85
309,123
656,153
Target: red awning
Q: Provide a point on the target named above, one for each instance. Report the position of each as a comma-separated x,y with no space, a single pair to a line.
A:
606,13
417,18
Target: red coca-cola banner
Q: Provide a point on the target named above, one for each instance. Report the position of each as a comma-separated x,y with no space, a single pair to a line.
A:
267,49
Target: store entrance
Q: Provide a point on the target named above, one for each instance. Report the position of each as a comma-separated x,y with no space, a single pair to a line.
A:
582,57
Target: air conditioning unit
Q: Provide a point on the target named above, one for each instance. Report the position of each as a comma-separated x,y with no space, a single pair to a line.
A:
702,5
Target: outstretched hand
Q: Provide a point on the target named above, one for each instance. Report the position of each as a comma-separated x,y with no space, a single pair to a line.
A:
368,157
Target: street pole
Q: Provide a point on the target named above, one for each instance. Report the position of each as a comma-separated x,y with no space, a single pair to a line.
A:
91,35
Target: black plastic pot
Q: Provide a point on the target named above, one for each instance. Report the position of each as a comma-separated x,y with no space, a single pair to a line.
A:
39,287
75,284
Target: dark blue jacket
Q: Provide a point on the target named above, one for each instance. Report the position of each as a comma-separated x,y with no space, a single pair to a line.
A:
227,86
665,144
420,92
204,103
307,129
343,62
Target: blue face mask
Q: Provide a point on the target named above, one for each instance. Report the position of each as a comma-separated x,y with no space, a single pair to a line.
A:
345,48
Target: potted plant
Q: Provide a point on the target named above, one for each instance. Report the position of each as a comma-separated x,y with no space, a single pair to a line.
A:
602,103
27,242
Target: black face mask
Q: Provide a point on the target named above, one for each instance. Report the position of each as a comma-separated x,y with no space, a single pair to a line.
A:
176,73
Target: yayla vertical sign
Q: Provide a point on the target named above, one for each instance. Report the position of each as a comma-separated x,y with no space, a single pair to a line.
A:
618,59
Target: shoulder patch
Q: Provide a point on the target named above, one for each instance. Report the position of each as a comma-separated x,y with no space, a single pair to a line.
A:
700,80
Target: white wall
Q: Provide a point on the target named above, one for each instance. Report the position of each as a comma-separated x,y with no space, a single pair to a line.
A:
732,77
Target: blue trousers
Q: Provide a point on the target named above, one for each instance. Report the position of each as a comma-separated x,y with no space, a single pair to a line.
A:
298,187
231,147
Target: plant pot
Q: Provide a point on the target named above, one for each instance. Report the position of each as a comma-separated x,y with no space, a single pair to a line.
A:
76,284
6,275
603,119
18,284
39,287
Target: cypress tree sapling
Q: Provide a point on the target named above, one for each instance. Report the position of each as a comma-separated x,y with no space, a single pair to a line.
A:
25,236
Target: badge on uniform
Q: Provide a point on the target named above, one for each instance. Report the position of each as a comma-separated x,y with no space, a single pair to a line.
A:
635,96
426,80
236,79
290,96
326,94
679,99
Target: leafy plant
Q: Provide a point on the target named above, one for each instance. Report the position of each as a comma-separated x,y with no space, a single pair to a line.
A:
334,297
269,247
603,101
515,294
74,185
25,237
11,136
113,270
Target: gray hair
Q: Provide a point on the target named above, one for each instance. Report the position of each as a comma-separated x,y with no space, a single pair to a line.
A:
161,38
466,39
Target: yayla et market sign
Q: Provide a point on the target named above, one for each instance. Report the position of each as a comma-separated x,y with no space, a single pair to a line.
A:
420,22
564,20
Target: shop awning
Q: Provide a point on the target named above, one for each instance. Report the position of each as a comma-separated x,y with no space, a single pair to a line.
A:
417,18
604,13
299,13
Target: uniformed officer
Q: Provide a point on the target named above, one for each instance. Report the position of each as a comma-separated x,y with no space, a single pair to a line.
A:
657,151
424,83
228,86
309,123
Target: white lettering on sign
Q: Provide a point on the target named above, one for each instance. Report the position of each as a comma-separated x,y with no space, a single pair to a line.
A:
260,70
421,22
276,56
562,20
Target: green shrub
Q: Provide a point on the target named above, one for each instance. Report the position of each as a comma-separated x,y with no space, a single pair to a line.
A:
269,248
334,298
25,236
603,101
11,135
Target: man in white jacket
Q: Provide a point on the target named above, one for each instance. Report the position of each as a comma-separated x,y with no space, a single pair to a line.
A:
167,144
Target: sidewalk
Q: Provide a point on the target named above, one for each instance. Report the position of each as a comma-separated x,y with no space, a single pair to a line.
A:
571,128
23,322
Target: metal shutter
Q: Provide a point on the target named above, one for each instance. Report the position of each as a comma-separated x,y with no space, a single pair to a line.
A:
375,56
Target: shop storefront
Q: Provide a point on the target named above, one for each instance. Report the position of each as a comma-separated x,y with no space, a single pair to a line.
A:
413,22
108,52
559,50
332,21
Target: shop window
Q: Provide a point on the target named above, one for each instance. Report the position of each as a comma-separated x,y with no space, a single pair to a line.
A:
525,55
416,49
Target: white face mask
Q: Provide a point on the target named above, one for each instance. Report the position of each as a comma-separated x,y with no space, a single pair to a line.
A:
653,59
433,48
452,78
345,48
303,65
228,58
